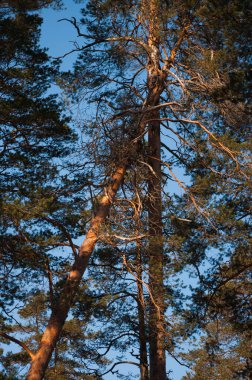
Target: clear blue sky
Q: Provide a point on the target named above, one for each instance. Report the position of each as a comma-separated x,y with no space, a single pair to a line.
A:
59,36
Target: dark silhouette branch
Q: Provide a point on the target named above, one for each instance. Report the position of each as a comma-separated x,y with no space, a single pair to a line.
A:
122,362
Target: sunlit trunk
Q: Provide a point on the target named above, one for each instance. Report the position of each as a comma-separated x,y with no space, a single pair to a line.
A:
155,82
61,308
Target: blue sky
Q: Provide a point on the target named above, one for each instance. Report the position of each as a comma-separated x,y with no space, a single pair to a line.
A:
58,36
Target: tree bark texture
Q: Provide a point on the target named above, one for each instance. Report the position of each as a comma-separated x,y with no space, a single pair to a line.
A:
155,82
156,316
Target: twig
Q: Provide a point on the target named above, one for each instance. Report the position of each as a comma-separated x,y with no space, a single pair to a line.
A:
144,284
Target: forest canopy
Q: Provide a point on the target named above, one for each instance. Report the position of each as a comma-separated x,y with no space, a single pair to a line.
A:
125,233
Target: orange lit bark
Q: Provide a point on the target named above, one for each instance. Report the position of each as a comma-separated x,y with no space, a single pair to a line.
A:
60,311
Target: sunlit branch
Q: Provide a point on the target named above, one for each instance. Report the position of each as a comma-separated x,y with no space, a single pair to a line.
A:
125,263
21,344
187,191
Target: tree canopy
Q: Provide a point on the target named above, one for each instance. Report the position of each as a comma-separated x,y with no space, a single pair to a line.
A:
163,93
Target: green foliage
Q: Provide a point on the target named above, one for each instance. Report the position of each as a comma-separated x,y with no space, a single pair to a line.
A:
47,201
223,353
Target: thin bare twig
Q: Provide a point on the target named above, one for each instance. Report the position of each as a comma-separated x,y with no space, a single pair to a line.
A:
143,283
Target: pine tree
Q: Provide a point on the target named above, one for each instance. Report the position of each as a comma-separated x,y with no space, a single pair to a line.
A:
34,134
151,67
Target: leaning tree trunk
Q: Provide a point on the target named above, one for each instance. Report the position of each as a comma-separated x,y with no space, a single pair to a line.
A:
61,308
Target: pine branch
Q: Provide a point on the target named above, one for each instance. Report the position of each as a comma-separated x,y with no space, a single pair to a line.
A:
21,344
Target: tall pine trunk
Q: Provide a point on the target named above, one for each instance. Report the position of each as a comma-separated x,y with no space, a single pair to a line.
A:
155,82
156,310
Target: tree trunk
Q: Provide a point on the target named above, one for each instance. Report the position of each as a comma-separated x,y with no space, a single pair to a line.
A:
144,371
157,352
155,82
61,308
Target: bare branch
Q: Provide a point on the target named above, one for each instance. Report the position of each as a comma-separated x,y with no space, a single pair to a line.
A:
50,280
21,344
124,238
143,283
122,362
187,191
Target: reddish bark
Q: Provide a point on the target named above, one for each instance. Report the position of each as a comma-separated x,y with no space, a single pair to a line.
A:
156,79
61,308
